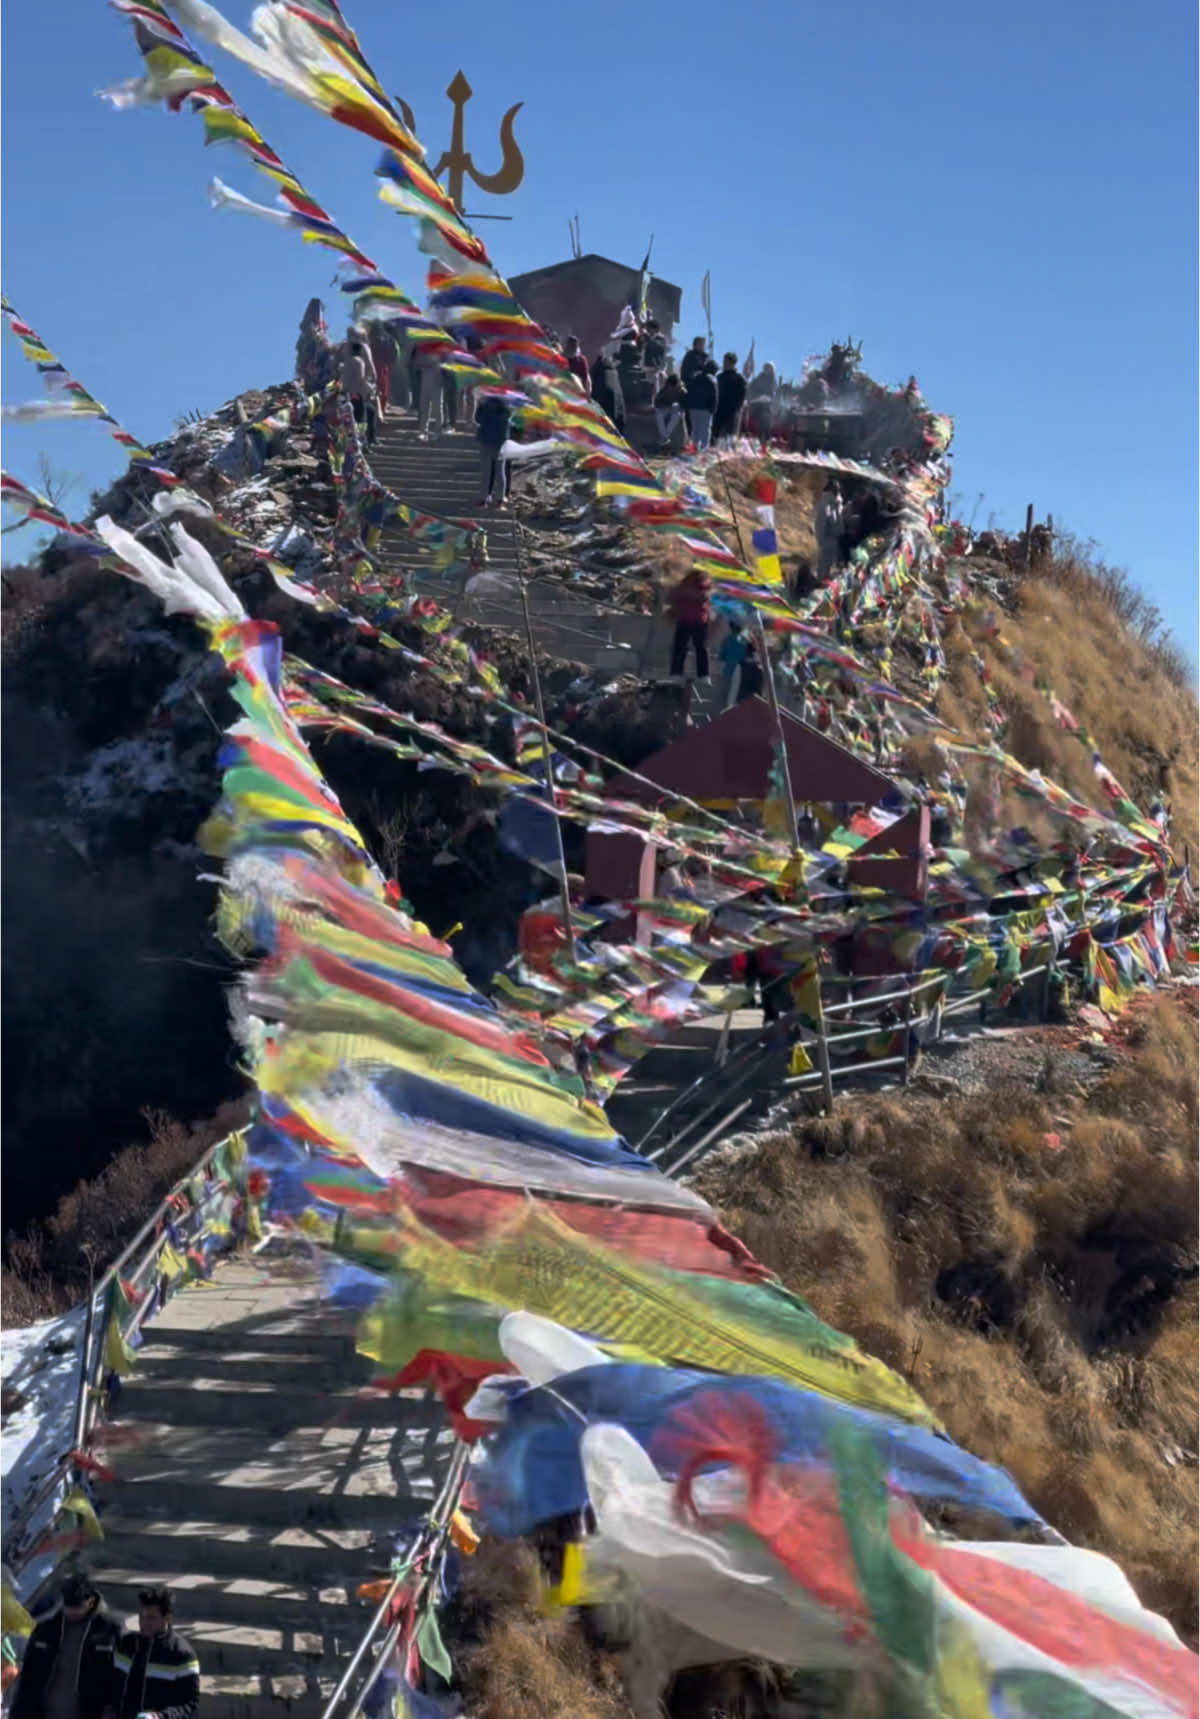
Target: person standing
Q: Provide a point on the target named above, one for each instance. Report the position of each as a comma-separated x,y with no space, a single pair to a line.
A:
701,396
493,420
359,382
400,381
750,682
67,1671
668,408
694,360
382,348
577,364
689,603
155,1671
827,528
606,390
731,399
429,392
654,350
761,396
449,399
732,654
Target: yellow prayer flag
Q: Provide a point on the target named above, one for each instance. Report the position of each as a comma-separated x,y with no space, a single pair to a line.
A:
77,1503
799,1062
118,1357
169,1263
463,1535
14,1619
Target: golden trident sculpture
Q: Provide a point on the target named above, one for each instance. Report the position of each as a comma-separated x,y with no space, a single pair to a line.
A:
457,163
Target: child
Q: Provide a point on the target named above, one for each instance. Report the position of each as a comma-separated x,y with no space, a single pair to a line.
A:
732,655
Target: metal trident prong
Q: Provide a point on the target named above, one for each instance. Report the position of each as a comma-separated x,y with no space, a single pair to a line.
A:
457,162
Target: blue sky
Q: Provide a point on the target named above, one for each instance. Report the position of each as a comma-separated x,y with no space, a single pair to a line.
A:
1000,200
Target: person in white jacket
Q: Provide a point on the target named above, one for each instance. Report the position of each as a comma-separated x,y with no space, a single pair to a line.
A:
359,382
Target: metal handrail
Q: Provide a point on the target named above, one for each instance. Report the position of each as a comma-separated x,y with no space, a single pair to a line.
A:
742,1053
437,1527
92,1352
748,1066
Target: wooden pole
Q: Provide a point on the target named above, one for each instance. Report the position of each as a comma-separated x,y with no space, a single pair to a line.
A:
769,677
564,887
1029,534
784,760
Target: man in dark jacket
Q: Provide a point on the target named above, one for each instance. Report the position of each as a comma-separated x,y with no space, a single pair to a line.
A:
654,348
731,398
68,1667
701,399
493,421
155,1671
694,360
606,390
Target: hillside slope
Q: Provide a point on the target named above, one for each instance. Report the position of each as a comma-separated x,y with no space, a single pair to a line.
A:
1023,1247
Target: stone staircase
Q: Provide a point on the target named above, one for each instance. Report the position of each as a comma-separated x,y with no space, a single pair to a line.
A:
257,1478
667,1071
441,476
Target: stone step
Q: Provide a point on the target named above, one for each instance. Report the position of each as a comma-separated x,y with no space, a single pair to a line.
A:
249,1368
337,1457
458,456
232,1597
214,1548
322,1342
217,1402
274,1649
266,1695
457,461
266,1501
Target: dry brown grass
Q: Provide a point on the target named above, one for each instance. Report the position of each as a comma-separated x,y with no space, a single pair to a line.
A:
1043,1302
46,1270
1123,689
515,1660
729,485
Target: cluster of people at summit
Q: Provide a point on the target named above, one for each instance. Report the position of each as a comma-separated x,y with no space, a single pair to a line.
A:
713,404
380,368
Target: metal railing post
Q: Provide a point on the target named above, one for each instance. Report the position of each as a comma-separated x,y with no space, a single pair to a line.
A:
85,1352
908,1011
823,1055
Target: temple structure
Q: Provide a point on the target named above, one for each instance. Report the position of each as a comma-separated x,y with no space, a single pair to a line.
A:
586,295
727,763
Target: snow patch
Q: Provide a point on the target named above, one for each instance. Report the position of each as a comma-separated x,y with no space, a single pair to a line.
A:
41,1363
130,769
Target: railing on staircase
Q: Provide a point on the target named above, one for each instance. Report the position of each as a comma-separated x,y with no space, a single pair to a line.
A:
722,1087
726,1079
183,1220
420,1572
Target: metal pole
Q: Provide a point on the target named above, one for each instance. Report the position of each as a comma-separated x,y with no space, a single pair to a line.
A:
908,1010
823,1058
785,761
564,887
1029,534
85,1353
769,675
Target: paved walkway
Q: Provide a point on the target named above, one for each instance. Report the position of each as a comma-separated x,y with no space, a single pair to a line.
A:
262,1481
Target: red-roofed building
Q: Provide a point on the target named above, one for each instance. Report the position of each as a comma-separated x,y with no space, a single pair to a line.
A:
729,761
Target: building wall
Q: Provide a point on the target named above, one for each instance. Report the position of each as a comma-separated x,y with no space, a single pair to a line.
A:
585,297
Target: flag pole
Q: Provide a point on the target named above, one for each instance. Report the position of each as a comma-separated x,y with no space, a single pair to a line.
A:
564,887
769,675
